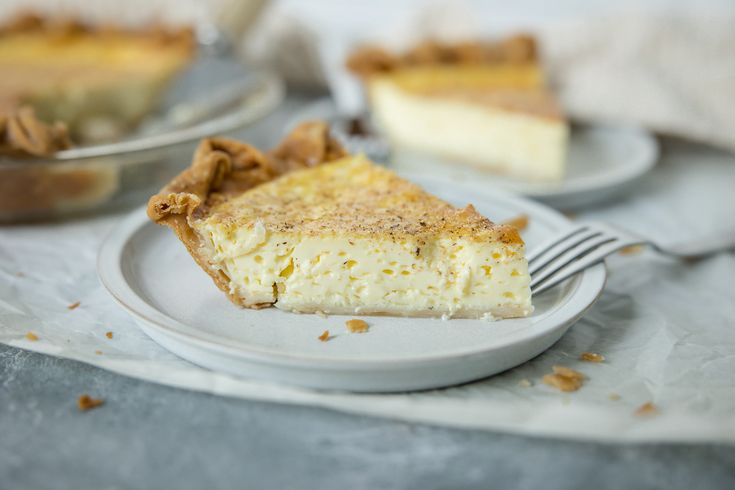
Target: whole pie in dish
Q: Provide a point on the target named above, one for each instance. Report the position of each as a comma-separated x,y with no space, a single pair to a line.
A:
308,228
32,189
99,81
483,103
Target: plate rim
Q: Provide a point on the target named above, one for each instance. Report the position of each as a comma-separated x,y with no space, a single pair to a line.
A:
644,163
587,289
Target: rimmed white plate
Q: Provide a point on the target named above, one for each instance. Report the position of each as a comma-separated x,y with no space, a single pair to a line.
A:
603,162
152,276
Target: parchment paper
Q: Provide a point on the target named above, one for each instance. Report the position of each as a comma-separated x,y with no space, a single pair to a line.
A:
666,328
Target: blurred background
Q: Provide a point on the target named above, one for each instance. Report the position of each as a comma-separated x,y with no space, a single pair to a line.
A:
663,65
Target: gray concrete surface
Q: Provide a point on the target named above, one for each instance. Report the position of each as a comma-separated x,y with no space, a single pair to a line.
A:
151,436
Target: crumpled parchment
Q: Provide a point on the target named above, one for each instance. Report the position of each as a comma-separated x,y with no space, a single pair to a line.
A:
666,328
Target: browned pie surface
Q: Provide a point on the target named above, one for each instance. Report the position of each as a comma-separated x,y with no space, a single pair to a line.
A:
516,50
354,197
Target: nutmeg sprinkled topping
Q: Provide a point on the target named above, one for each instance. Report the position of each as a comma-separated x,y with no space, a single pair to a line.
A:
327,199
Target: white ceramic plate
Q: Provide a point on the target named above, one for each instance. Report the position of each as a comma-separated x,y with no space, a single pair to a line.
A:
603,161
151,275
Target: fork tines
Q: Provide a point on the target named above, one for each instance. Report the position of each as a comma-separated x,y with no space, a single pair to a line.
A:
573,251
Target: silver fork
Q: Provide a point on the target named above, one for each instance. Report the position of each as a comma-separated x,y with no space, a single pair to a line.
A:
587,244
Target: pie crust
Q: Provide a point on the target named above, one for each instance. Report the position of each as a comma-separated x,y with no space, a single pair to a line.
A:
23,134
516,50
64,27
224,168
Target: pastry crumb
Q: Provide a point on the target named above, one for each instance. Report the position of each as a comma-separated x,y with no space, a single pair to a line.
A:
32,336
614,397
632,250
98,352
20,274
646,410
525,383
591,357
488,317
320,314
74,305
324,336
564,379
519,222
357,326
86,402
108,335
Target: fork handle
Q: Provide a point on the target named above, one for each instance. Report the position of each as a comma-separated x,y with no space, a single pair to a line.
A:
703,246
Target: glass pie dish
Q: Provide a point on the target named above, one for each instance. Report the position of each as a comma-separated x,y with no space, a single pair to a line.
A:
216,95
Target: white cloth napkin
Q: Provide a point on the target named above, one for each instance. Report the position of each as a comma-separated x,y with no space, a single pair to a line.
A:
671,72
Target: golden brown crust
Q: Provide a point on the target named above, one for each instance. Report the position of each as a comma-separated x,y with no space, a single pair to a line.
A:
591,357
357,326
370,60
220,167
307,146
23,134
519,222
518,49
564,379
22,22
68,27
224,168
648,409
86,402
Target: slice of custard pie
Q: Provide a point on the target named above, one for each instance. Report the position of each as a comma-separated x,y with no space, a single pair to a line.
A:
308,228
486,104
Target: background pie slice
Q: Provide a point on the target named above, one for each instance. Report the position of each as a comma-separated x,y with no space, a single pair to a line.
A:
485,104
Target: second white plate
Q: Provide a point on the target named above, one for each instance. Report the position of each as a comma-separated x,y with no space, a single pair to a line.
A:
150,274
602,162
